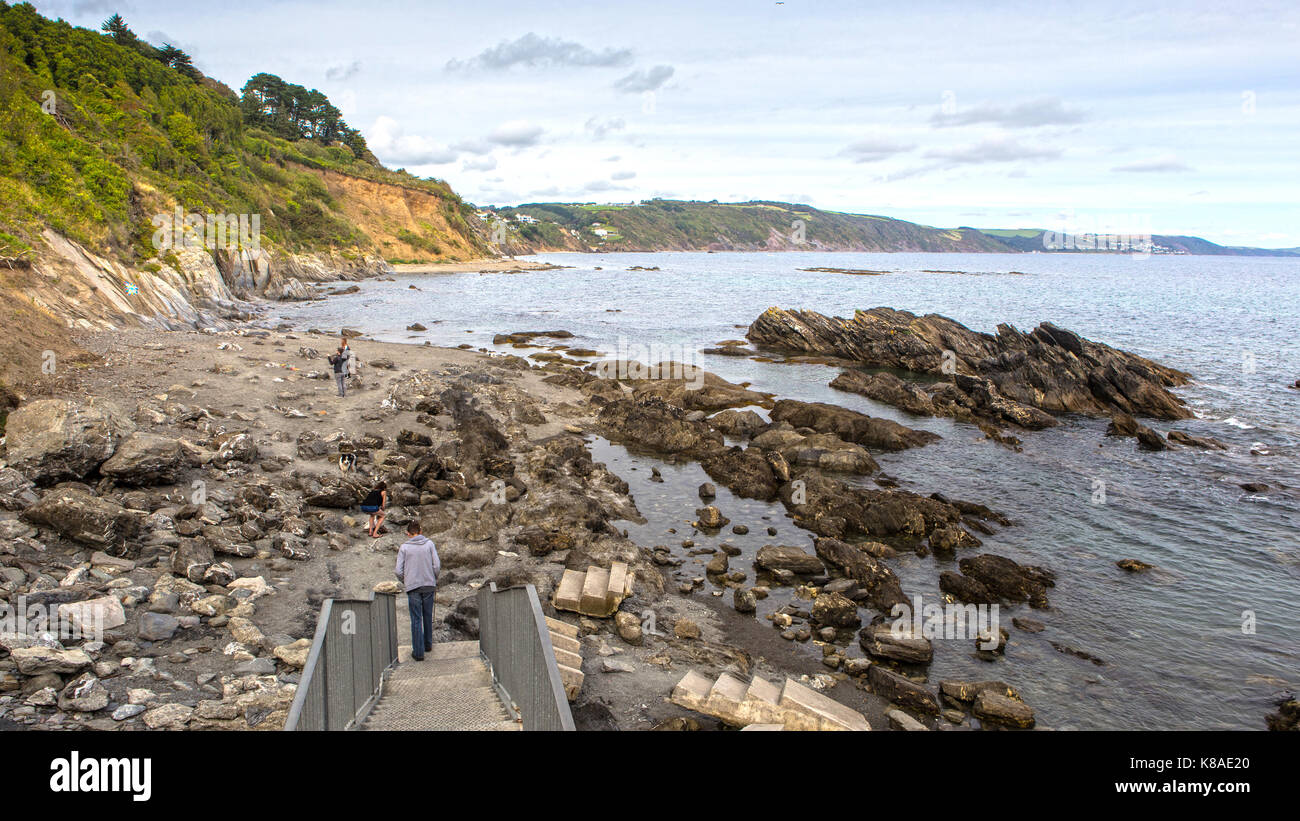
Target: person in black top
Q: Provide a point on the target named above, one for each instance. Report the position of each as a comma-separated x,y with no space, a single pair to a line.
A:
376,504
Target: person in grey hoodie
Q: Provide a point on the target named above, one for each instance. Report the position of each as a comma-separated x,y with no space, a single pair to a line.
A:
418,567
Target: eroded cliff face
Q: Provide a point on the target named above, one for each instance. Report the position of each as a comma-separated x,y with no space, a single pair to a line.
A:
406,223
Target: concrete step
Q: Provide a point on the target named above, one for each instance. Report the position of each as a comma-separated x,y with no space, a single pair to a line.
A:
562,627
762,703
562,642
807,709
572,679
596,592
568,658
692,691
725,697
568,593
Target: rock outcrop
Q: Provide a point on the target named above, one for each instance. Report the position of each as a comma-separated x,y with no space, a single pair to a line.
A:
1002,377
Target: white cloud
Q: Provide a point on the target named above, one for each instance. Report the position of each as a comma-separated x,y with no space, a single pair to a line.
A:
535,51
1156,165
516,134
642,80
388,142
1043,111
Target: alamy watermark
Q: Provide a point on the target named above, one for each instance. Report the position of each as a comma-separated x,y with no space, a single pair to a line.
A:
78,621
211,232
970,622
653,361
1121,233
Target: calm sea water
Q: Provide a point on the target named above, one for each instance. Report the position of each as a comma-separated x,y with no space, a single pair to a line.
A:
1173,641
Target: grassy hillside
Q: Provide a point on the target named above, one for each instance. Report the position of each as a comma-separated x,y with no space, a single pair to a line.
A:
98,134
681,225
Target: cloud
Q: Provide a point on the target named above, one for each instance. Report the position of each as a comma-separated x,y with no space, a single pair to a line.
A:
1043,111
993,149
387,140
622,175
343,72
516,134
480,164
597,186
599,128
473,145
1166,164
644,79
535,51
873,149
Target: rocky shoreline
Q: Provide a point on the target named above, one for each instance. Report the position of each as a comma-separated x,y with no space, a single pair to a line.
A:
193,501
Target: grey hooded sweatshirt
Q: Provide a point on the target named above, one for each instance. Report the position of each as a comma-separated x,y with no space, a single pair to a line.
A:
418,564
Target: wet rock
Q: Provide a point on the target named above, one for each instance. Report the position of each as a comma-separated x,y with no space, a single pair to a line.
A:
736,423
787,557
746,472
995,708
56,440
880,583
964,588
882,641
1007,580
1133,565
653,425
965,692
1049,369
951,538
708,491
710,517
744,600
851,426
1028,625
888,388
1202,442
835,610
686,629
901,690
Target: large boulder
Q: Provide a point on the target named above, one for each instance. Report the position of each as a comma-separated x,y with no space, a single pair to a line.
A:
56,440
86,518
146,459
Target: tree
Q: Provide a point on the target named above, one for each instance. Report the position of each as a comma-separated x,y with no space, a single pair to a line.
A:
116,28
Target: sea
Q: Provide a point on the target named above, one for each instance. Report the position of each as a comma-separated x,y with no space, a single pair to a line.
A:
1209,639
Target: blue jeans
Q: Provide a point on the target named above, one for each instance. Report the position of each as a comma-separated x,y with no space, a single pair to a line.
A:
341,380
420,601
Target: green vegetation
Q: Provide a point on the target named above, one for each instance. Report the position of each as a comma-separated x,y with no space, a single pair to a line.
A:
684,225
99,132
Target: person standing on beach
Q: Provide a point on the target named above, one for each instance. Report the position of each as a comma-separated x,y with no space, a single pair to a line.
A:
339,363
418,566
376,505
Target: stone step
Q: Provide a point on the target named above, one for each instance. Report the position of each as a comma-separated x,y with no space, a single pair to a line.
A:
807,709
572,680
619,585
692,691
595,593
568,594
562,642
568,658
725,697
762,702
563,628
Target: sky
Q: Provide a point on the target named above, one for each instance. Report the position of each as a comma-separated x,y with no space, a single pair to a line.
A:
1162,118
